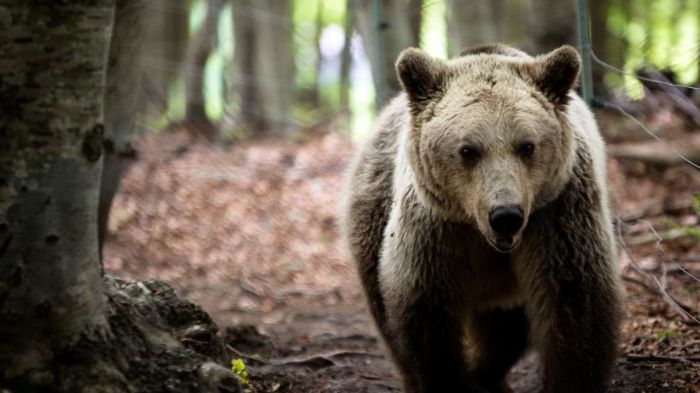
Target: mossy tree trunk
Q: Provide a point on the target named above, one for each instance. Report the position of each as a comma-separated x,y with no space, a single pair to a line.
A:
64,327
121,101
52,78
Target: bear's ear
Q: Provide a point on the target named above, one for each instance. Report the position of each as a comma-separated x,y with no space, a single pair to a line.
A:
423,78
556,73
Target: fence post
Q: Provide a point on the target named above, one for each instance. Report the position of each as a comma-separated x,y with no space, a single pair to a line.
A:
584,39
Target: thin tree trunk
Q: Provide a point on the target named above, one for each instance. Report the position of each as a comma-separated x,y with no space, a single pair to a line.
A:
415,15
244,87
617,46
346,57
166,38
275,78
315,96
599,39
476,23
52,77
513,22
121,101
204,44
264,80
386,30
552,23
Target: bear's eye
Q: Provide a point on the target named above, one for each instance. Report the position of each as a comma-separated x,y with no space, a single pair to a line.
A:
469,153
526,149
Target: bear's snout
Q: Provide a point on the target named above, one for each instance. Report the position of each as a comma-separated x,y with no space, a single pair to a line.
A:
506,220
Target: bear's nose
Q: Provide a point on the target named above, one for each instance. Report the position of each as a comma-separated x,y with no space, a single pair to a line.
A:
506,220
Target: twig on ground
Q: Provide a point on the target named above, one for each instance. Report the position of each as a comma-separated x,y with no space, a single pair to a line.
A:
689,344
318,360
633,357
675,303
648,238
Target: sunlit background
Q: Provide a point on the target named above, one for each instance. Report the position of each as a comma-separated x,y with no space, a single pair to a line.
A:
635,34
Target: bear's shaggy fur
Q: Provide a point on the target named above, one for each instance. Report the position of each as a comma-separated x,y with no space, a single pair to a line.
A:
456,301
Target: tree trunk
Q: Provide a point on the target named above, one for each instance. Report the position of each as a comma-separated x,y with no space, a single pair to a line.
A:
121,101
415,15
346,57
599,38
264,66
244,87
386,30
52,77
617,46
552,24
203,45
64,327
473,23
166,38
315,94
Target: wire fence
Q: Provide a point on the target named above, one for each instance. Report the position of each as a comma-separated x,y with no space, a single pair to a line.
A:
659,284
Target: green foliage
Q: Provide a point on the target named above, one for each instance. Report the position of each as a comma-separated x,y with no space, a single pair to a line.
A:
665,335
660,33
238,369
696,204
434,29
694,232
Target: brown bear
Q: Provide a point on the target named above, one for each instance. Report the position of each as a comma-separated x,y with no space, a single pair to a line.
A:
478,217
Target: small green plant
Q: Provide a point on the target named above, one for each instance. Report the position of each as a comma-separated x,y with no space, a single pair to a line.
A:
238,368
665,335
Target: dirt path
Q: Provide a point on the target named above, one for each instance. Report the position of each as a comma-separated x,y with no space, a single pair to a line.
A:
339,352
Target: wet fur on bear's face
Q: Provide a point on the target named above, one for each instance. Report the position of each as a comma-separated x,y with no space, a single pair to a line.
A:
488,130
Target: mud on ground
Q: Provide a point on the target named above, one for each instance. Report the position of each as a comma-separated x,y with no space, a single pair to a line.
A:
248,232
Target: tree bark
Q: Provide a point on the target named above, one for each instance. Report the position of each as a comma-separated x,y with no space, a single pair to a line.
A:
64,327
264,66
552,23
598,11
121,101
346,57
385,31
203,45
52,77
415,15
474,23
248,114
315,93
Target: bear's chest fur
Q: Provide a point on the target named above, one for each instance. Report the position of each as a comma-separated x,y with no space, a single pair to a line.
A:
455,261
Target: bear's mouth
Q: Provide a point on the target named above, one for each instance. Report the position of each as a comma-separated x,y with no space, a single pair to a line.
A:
505,244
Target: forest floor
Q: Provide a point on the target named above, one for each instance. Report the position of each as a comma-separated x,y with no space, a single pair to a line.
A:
248,232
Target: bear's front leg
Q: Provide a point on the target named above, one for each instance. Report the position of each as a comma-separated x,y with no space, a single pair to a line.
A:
424,334
576,334
569,267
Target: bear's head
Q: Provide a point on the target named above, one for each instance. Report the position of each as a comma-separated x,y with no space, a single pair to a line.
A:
490,140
